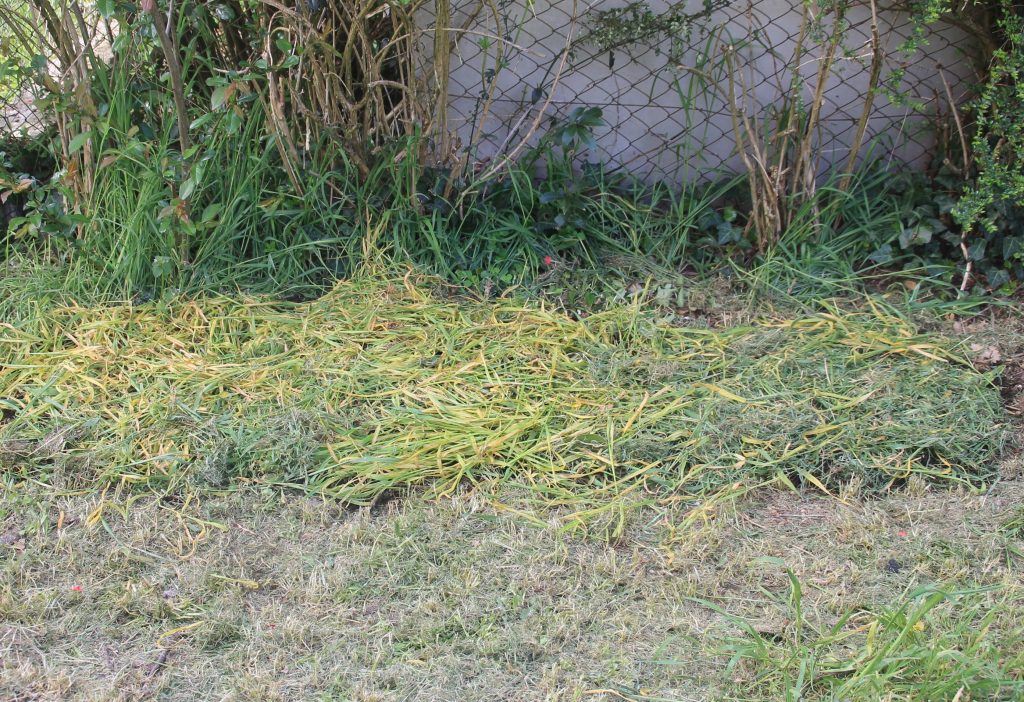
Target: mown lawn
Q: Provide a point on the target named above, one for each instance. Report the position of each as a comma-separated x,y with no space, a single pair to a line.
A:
393,494
255,596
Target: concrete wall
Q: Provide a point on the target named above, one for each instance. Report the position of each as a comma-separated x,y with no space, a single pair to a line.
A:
641,90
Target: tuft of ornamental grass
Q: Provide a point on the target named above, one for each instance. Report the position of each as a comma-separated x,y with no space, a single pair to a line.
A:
382,385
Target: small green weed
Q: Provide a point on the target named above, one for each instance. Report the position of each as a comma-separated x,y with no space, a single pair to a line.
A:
933,644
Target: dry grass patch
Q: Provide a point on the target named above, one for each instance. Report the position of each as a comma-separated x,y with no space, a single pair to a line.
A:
379,386
258,596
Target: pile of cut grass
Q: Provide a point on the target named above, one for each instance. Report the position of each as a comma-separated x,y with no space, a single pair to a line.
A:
383,385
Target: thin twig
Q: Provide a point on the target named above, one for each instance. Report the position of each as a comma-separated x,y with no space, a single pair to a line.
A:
877,61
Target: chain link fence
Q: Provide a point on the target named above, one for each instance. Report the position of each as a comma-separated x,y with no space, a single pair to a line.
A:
20,115
669,100
659,73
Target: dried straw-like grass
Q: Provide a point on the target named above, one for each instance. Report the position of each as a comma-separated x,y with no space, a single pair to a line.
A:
381,385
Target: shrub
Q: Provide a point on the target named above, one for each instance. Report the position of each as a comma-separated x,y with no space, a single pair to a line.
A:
991,202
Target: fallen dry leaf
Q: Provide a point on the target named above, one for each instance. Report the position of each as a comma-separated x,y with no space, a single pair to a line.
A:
986,356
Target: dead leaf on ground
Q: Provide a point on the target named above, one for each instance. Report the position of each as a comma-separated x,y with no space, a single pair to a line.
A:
986,356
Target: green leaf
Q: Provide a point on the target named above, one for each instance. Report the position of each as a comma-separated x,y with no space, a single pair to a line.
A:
188,186
921,234
976,251
78,142
162,266
945,203
201,121
106,8
220,96
881,255
211,211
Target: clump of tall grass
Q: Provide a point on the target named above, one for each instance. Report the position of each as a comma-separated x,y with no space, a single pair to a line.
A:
222,215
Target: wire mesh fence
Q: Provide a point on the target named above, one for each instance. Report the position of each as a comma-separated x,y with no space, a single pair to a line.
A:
679,84
20,114
671,79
